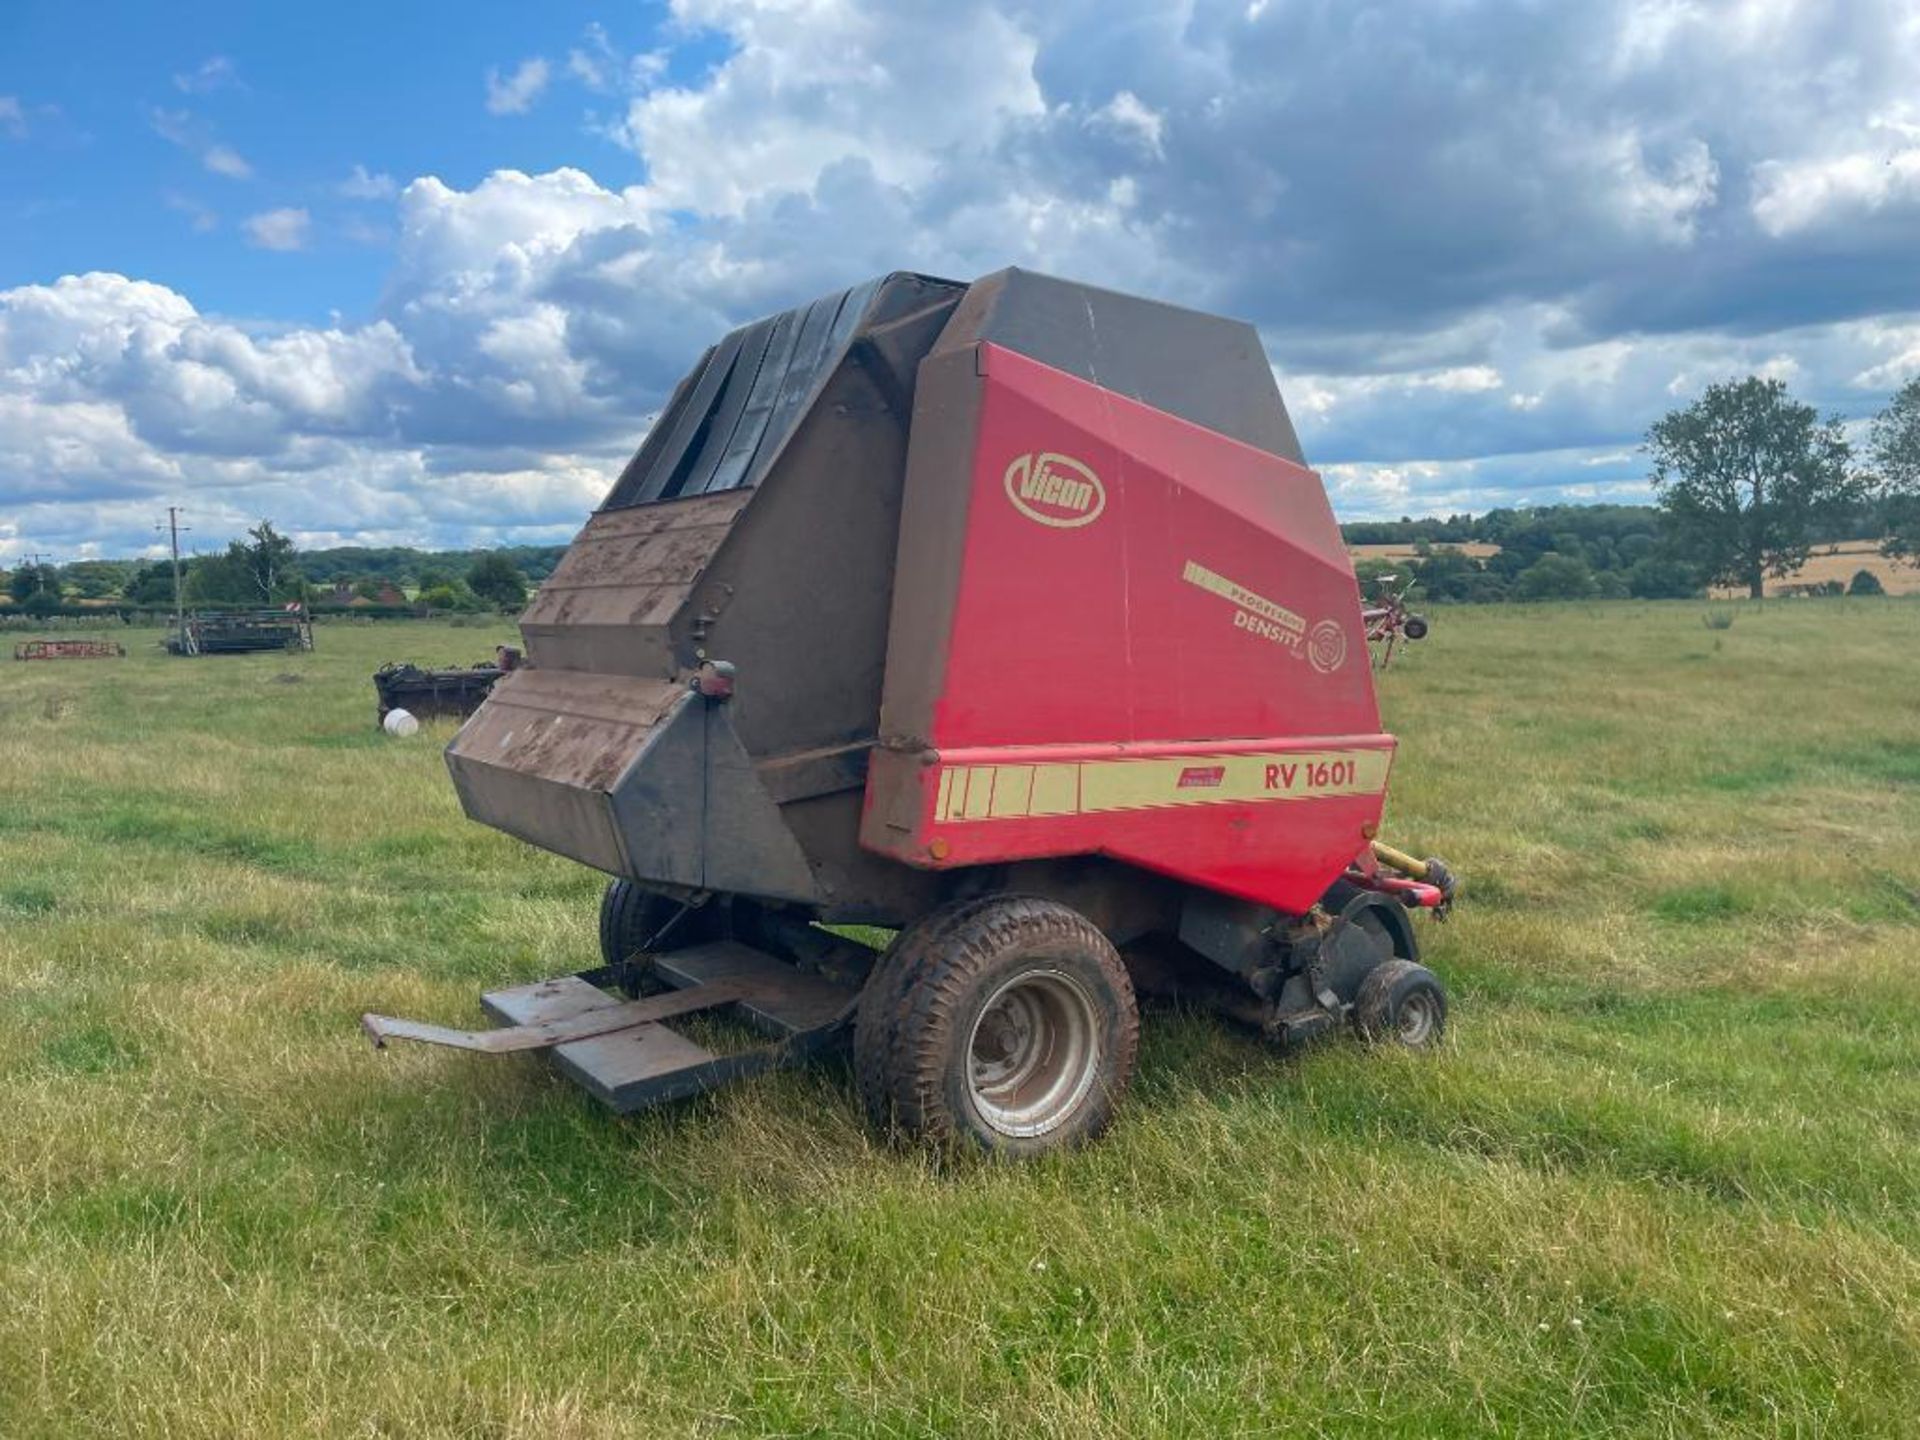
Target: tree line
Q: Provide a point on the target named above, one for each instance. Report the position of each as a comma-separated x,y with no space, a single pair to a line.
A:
265,568
1747,481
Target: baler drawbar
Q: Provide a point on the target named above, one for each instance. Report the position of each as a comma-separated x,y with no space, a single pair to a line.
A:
1006,617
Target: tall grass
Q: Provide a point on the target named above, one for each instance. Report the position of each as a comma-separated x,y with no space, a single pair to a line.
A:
1665,1178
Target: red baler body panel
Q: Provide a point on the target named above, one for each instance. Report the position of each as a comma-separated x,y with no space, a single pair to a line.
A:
1154,653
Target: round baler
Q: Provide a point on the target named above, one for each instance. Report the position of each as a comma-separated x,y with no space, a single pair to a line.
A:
1007,617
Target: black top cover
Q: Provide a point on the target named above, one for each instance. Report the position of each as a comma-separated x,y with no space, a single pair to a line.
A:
1204,368
728,419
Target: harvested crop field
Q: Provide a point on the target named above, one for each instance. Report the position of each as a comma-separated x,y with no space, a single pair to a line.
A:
1840,563
1664,1178
1476,549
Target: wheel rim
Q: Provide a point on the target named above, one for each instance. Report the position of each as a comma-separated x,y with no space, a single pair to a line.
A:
1417,1019
1034,1053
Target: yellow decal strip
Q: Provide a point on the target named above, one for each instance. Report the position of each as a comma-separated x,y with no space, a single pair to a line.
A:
1218,584
1092,787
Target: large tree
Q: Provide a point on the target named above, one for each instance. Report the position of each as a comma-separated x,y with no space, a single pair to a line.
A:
218,579
151,584
495,579
1555,577
267,558
1745,475
96,579
30,581
1894,443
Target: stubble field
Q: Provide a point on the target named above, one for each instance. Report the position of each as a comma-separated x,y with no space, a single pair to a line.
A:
1664,1178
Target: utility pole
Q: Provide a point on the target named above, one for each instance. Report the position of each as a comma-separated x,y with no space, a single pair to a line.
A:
174,527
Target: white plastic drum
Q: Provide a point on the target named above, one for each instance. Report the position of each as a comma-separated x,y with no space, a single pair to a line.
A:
400,722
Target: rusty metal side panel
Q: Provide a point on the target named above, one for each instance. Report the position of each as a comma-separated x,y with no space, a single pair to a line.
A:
543,756
635,777
691,811
69,650
607,604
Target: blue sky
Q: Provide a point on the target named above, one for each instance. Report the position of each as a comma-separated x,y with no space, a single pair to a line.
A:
420,274
301,95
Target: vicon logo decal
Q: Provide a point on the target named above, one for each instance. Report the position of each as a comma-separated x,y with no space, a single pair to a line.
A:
1055,490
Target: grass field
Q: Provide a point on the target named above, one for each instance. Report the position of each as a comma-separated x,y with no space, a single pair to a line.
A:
1664,1179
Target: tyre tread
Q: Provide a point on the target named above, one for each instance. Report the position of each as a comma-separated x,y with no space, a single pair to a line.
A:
905,1030
1374,1005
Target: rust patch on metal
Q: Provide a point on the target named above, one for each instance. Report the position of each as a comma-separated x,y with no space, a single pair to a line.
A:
69,650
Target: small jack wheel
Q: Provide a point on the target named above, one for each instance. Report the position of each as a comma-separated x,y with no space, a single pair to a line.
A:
635,921
1401,1003
632,918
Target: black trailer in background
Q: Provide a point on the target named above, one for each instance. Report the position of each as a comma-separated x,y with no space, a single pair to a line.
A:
241,632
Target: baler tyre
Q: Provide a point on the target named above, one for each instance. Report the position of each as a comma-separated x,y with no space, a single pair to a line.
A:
1401,1003
882,1002
1007,1023
1416,627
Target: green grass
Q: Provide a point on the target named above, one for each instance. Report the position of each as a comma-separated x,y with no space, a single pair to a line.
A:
1664,1179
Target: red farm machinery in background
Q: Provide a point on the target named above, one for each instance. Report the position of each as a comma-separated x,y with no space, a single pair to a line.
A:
1388,620
69,650
1006,617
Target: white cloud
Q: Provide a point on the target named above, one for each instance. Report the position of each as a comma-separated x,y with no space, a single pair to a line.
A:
1894,350
1461,380
1371,491
360,184
102,366
1792,196
13,118
505,228
1368,491
225,160
1322,395
283,229
1127,114
201,217
214,73
363,232
1668,200
173,126
515,94
903,89
1890,374
182,128
594,62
